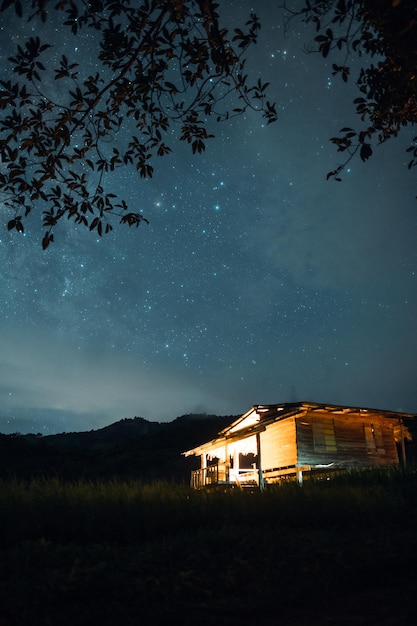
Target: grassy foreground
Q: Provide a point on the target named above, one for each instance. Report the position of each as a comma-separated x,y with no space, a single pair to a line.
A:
340,551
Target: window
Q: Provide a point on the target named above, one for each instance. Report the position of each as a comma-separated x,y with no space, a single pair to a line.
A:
324,439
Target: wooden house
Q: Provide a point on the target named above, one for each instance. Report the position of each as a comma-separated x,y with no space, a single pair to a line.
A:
270,442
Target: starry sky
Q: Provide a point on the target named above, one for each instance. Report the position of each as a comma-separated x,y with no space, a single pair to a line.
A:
257,281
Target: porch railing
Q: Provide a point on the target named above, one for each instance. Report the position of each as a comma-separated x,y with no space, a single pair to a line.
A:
211,475
222,474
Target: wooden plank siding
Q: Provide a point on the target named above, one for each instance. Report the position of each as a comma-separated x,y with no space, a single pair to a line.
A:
278,445
345,440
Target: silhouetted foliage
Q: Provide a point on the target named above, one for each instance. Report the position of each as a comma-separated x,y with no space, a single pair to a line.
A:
384,33
156,63
128,449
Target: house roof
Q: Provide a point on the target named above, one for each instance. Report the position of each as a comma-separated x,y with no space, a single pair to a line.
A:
260,415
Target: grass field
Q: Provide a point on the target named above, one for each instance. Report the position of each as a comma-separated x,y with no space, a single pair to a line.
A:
339,551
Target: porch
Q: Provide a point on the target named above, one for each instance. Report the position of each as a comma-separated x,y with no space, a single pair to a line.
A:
223,474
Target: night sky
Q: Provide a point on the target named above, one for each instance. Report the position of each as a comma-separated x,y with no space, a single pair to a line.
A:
257,281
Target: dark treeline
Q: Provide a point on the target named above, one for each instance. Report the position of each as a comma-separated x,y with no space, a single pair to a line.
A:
128,449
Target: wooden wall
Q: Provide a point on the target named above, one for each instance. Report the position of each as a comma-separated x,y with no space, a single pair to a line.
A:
346,440
278,445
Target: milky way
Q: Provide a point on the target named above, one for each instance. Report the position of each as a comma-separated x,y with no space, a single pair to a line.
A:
256,281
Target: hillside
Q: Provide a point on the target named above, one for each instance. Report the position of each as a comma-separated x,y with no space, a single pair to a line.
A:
128,449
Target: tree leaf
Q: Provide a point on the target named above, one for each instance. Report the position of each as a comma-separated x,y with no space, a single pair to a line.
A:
365,151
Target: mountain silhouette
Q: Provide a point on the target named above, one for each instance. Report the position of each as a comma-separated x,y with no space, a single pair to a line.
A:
128,449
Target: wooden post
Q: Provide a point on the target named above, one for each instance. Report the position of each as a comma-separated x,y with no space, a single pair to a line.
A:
261,480
236,465
226,463
203,469
299,474
403,444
